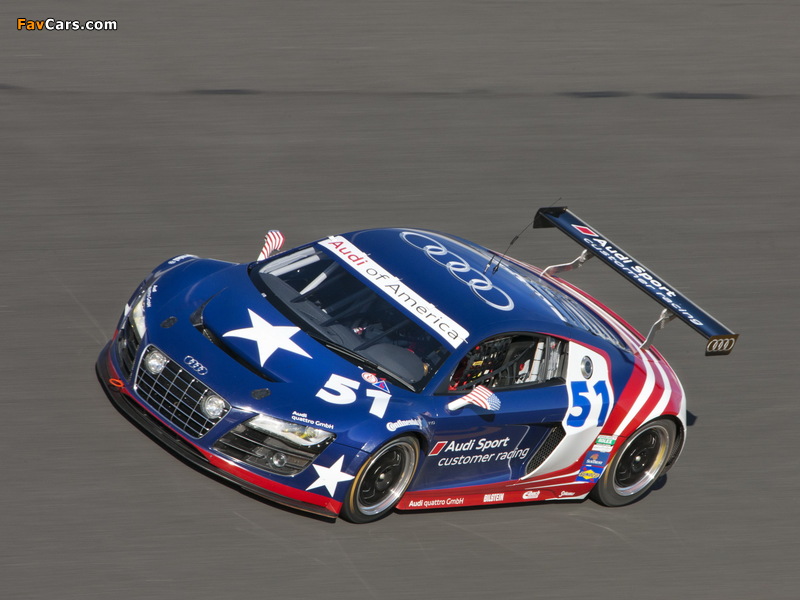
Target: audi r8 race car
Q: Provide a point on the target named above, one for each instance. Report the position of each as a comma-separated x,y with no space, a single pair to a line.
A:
404,368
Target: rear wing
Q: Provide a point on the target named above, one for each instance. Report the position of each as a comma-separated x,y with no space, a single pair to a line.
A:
721,339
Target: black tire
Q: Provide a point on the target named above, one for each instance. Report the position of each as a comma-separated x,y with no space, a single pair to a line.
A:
381,481
637,465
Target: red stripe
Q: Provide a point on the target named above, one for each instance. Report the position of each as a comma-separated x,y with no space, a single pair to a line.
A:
626,398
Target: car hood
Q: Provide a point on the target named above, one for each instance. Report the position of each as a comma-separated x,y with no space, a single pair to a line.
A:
260,361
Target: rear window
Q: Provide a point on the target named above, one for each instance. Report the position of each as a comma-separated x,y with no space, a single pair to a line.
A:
568,309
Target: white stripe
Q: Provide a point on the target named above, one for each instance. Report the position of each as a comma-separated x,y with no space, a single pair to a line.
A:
538,481
665,397
641,399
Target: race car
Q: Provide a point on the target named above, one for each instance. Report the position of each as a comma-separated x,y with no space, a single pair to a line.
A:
404,369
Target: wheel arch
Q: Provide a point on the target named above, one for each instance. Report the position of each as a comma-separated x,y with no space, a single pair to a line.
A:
680,440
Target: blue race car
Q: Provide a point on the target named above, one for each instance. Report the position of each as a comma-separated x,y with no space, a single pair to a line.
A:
404,368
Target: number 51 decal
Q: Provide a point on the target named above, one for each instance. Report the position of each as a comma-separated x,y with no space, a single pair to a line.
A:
341,390
584,400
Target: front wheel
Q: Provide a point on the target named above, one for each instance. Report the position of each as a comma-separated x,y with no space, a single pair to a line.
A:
382,481
638,464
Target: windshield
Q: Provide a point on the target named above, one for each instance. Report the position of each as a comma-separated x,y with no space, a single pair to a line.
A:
322,297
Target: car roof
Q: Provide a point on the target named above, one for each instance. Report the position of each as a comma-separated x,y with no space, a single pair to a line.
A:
470,284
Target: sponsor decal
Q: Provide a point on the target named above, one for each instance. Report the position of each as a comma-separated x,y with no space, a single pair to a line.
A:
473,444
589,475
395,425
425,312
529,495
378,382
459,268
436,502
493,497
637,273
565,494
342,390
482,446
596,459
195,365
585,230
177,259
721,344
302,417
438,448
604,443
148,301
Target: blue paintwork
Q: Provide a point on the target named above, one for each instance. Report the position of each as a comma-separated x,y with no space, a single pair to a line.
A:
182,285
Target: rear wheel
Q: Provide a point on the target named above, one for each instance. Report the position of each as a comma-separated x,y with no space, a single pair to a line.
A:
382,481
637,465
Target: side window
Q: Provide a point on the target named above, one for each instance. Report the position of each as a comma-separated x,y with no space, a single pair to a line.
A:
509,360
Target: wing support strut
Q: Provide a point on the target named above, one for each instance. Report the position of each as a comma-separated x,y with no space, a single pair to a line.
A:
575,264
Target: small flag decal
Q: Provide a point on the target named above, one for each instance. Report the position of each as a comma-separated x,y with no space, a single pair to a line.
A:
483,397
273,242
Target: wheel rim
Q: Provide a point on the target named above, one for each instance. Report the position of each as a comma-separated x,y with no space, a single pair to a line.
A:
386,478
641,461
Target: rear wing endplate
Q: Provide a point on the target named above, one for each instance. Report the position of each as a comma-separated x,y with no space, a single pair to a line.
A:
721,339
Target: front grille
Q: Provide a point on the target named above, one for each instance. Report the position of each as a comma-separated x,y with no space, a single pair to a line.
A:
267,452
551,441
176,395
127,346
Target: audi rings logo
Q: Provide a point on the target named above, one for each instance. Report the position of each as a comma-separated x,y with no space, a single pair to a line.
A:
195,365
459,268
722,344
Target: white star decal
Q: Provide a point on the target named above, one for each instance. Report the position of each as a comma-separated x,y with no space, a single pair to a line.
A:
268,337
330,477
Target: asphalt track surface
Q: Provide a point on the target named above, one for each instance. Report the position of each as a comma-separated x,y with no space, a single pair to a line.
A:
196,126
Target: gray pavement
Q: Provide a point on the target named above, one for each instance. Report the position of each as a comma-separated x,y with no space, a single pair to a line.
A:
195,127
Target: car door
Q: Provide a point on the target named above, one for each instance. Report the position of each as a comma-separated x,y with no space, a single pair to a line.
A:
474,445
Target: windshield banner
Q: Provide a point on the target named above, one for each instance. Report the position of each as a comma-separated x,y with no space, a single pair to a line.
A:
425,312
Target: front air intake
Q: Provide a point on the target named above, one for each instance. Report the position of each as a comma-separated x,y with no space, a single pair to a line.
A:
175,395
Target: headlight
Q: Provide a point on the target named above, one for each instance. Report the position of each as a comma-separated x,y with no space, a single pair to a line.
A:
137,315
301,435
213,406
155,362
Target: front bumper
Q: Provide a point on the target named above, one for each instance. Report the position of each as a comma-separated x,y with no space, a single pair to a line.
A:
117,391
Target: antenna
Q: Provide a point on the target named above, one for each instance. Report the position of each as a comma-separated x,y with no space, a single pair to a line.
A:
503,255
